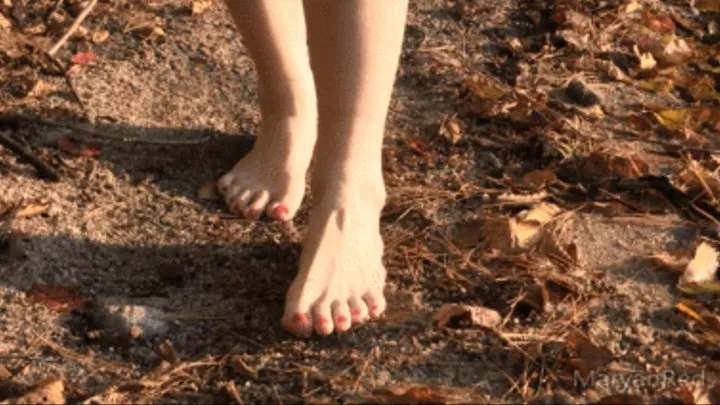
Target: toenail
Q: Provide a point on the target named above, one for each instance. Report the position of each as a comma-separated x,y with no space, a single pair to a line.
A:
340,319
374,310
356,313
251,213
281,211
300,318
321,321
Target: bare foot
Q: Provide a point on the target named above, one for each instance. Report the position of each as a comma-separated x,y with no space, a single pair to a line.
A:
270,179
341,276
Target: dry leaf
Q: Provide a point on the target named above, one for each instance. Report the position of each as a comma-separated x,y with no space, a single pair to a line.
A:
703,265
647,60
100,36
59,298
466,316
5,374
82,58
209,191
450,130
31,210
538,178
45,392
424,394
602,164
74,148
166,352
586,355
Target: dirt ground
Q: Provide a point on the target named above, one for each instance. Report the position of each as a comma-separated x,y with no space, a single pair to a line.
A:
551,170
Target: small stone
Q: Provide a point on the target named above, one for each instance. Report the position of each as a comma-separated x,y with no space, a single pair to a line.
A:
580,94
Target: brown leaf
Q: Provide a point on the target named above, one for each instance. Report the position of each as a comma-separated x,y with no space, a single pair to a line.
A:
5,374
67,145
31,210
450,130
467,316
166,352
538,178
59,298
588,356
45,392
424,394
662,23
601,164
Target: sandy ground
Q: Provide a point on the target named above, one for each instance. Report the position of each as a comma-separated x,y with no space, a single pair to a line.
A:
127,231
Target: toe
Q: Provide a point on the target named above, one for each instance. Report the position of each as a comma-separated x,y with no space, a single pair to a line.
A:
257,205
375,302
298,324
322,319
278,211
341,316
358,310
239,203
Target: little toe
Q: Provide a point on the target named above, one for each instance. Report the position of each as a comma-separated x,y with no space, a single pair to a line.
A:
341,316
358,310
375,302
322,319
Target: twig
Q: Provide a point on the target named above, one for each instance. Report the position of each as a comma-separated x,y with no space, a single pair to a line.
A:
75,25
43,169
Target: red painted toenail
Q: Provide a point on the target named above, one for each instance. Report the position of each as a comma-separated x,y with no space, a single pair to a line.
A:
281,211
340,319
321,321
374,310
355,313
299,318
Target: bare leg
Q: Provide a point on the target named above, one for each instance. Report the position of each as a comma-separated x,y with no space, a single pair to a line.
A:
271,178
355,48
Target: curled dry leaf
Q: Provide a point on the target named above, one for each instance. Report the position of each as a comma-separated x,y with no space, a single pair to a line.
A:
45,392
59,298
166,351
460,315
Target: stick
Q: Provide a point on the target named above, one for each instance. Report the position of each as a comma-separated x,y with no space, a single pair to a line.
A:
44,171
75,25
